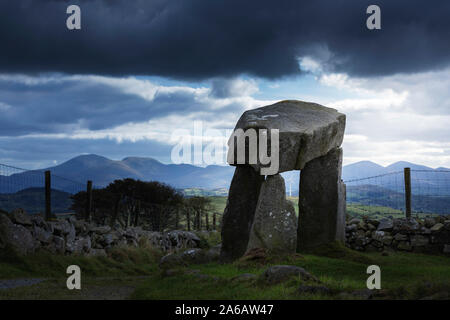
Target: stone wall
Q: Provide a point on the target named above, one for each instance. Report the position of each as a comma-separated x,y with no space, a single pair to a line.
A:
27,234
428,235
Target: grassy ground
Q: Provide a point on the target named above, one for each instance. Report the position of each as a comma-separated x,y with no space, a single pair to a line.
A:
404,276
112,277
134,273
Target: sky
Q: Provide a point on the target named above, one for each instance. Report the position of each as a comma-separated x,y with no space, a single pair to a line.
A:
139,71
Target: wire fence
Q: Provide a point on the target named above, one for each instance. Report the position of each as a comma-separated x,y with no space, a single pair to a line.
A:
40,191
22,188
386,194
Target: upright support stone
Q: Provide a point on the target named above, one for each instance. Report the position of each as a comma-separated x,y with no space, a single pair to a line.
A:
275,225
321,202
239,213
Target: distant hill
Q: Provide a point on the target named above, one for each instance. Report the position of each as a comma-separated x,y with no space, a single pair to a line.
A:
32,200
103,171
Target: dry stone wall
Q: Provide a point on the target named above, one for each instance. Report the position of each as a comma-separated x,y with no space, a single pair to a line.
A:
428,235
28,234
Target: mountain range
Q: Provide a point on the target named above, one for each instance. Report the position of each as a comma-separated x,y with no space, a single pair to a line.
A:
102,171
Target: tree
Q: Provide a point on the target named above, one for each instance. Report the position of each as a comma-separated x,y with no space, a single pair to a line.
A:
126,201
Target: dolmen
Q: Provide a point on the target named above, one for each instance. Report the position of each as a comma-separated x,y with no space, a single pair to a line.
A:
288,135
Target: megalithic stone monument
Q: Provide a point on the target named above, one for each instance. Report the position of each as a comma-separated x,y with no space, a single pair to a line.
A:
309,139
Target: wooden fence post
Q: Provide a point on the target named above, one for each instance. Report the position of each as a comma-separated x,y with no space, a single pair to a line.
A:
116,210
48,195
214,221
207,221
177,217
188,218
407,173
137,212
88,201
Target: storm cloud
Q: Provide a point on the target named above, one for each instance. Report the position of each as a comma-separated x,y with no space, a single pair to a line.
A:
223,38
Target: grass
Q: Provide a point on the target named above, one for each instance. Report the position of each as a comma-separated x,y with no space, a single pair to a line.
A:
134,273
404,275
121,262
218,203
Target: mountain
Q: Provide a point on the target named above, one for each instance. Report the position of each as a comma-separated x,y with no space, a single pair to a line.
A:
71,176
362,169
398,166
102,171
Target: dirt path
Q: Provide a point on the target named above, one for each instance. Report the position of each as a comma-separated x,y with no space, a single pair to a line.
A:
91,289
16,283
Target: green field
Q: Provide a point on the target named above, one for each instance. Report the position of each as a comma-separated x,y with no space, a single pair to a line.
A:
134,274
354,210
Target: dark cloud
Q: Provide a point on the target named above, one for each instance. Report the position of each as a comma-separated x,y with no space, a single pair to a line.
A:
59,104
222,38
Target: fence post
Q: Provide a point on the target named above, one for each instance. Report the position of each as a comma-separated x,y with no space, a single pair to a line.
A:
116,210
188,217
177,217
207,221
48,195
88,201
138,211
214,221
407,173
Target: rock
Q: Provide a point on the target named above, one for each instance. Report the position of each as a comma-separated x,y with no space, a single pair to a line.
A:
239,212
281,273
39,221
321,202
447,224
429,222
320,290
71,235
16,237
97,252
256,255
245,277
19,216
191,256
404,245
181,239
364,294
101,229
354,221
197,256
62,227
59,244
131,233
385,225
306,131
171,260
401,237
42,235
446,248
81,227
275,224
109,239
437,227
378,235
442,295
79,246
373,222
405,225
419,241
